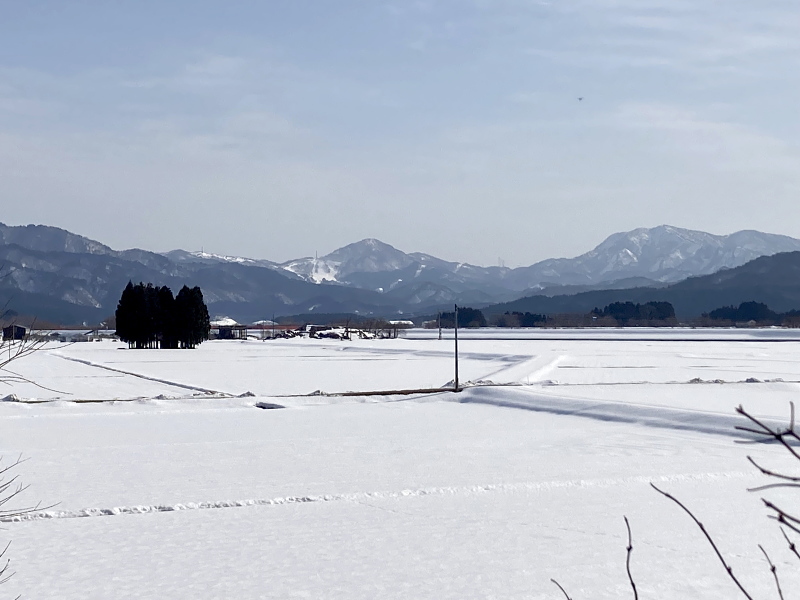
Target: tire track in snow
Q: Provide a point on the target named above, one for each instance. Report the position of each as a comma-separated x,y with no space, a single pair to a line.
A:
183,386
361,497
429,353
527,368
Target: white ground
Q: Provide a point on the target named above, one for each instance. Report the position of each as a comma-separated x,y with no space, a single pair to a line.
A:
181,490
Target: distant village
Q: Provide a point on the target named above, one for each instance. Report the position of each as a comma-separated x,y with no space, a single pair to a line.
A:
225,328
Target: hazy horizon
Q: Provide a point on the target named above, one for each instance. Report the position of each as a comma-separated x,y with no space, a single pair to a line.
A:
321,253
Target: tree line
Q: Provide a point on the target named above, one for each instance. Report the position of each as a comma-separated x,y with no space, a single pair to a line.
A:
649,312
653,314
519,319
149,316
757,312
467,317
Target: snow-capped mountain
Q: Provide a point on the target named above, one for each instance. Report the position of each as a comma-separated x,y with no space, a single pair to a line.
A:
662,254
199,256
57,275
367,256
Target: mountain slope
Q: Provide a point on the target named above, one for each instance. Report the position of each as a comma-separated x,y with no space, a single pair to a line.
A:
662,254
773,280
70,286
367,256
61,276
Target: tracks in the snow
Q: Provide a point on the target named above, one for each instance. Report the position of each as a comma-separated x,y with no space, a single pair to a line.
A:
360,497
182,386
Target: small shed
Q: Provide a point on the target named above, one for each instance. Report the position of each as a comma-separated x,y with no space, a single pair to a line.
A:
14,332
232,332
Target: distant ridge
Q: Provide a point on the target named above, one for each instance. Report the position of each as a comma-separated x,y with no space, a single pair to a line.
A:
659,255
773,280
61,276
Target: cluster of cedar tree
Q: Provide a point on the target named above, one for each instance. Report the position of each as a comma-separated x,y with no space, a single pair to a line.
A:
150,317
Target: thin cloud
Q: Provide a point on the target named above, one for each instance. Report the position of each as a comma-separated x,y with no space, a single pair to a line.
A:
722,144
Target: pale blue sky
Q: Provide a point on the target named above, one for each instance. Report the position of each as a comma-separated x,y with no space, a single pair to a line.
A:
277,129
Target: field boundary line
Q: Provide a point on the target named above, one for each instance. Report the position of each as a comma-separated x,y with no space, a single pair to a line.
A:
139,375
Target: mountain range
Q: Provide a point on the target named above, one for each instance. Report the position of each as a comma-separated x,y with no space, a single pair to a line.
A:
67,278
773,280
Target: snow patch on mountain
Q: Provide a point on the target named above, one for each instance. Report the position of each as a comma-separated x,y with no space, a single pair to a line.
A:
223,258
367,256
663,254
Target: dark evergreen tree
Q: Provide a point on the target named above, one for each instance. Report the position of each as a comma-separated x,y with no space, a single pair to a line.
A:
625,312
519,319
140,316
193,324
467,317
723,313
150,317
165,319
756,311
527,319
746,311
656,311
126,320
150,322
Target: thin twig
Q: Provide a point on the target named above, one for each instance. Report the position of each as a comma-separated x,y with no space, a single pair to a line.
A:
8,491
792,545
768,432
771,473
563,591
628,558
770,486
774,571
780,511
728,568
784,437
782,516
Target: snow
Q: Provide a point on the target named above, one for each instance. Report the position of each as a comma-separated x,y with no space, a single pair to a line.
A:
316,270
223,322
223,258
181,489
324,271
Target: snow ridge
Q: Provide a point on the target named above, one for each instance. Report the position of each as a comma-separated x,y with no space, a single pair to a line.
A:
649,416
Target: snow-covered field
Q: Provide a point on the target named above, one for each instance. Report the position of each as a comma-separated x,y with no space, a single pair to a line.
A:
181,488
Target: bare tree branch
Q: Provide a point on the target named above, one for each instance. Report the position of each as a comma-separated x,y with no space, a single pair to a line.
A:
628,558
770,486
768,432
771,473
728,568
15,349
774,570
792,545
782,516
563,591
788,438
10,488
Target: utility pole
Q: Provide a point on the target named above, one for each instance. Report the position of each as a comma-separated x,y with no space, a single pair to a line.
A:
455,324
273,326
440,325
